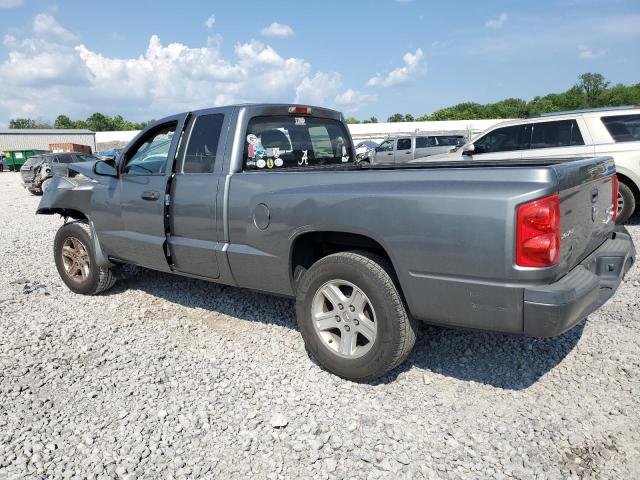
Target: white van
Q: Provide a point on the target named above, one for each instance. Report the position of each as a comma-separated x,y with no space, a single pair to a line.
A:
582,133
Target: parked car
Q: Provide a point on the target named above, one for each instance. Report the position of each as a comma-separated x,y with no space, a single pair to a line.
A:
2,162
584,133
109,154
270,198
407,148
37,171
365,149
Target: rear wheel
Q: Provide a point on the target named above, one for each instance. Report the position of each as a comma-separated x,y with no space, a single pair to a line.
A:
76,263
626,203
352,316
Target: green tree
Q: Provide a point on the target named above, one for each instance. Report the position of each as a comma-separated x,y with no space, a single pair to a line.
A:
370,120
396,117
352,120
62,121
593,85
409,118
22,123
99,122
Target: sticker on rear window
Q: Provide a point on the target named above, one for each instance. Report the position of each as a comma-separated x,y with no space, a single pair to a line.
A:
300,121
252,139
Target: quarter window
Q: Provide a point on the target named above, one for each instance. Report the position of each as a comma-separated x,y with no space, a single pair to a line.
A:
203,144
623,128
149,155
563,133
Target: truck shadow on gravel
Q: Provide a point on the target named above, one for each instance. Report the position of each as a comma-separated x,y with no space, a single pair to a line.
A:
503,361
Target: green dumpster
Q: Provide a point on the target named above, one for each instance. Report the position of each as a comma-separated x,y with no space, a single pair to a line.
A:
16,158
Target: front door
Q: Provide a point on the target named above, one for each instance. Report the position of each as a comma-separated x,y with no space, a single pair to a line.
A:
505,143
194,238
144,173
384,152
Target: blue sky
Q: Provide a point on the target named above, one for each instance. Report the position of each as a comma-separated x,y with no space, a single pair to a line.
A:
362,57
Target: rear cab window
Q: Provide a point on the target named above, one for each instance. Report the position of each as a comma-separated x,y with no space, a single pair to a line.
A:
623,128
283,142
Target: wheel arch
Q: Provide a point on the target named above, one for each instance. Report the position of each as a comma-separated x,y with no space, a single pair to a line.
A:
309,246
627,180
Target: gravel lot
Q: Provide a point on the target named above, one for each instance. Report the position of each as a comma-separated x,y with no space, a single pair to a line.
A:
169,377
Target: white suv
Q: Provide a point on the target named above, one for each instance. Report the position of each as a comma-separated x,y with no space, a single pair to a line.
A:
583,133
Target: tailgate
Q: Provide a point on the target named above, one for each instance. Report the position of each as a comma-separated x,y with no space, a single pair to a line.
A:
586,207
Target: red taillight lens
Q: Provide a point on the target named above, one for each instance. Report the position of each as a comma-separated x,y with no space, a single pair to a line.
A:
300,110
615,189
538,232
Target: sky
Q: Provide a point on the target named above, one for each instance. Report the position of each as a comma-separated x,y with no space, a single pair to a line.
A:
151,59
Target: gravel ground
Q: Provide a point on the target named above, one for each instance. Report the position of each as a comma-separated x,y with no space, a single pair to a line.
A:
166,377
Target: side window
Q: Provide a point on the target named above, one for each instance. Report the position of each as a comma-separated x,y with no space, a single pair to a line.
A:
200,156
623,128
563,133
386,146
404,144
503,139
424,142
149,155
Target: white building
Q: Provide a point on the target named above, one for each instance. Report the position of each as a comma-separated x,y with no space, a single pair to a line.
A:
12,139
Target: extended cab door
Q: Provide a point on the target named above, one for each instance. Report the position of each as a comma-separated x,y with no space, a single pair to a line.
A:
504,143
194,239
404,150
142,184
559,139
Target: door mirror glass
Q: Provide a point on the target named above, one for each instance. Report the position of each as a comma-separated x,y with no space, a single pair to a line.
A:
105,169
468,149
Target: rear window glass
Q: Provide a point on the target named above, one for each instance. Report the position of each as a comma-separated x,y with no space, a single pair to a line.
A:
278,142
563,133
623,128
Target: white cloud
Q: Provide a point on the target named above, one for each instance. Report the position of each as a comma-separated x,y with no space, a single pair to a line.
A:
54,74
351,100
10,3
411,69
588,54
209,22
277,30
319,88
498,22
46,26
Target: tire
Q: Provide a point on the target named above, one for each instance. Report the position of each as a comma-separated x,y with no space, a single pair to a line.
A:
86,277
35,191
392,330
626,203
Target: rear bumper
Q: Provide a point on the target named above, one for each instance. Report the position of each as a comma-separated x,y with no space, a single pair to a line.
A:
550,310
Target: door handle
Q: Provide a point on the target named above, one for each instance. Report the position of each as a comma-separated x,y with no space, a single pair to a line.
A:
150,195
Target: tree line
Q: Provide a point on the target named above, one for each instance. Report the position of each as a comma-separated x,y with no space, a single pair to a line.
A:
98,122
591,91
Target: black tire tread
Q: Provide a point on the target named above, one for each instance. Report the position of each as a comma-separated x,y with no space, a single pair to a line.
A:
106,275
383,272
629,203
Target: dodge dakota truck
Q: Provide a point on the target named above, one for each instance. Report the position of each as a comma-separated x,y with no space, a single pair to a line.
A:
270,198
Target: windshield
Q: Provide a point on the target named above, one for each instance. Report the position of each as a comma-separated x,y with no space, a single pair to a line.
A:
33,161
278,142
86,158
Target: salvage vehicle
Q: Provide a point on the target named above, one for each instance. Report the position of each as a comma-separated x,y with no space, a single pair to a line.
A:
270,198
407,148
365,149
37,171
613,131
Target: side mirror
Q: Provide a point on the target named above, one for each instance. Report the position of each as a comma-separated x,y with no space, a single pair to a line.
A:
104,168
468,149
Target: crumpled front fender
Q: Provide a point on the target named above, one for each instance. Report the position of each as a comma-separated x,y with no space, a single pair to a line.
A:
70,197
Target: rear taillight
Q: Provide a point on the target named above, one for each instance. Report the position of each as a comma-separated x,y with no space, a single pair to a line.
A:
538,232
615,189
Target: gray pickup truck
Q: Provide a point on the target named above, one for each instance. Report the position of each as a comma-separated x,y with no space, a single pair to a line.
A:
269,197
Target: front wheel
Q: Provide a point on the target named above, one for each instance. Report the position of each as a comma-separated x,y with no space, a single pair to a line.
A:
352,317
76,261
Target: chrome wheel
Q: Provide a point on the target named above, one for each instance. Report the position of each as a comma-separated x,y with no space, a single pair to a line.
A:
75,258
620,203
344,318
